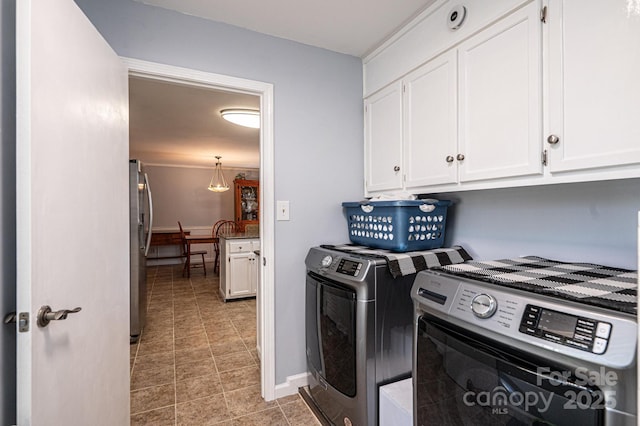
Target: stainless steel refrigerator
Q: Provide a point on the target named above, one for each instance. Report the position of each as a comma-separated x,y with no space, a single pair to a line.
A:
141,222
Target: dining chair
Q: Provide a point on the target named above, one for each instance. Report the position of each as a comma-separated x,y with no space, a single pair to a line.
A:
214,228
187,255
221,227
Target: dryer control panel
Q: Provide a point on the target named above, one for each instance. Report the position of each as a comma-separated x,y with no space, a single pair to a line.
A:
585,334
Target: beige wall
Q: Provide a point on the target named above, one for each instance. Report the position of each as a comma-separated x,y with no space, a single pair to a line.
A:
181,194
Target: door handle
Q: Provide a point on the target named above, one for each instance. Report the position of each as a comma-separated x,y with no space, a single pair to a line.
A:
148,242
46,315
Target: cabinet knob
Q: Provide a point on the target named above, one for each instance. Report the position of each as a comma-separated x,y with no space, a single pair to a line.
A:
553,139
449,158
396,169
460,157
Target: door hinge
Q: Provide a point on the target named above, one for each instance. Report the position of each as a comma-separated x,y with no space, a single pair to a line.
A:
544,157
543,14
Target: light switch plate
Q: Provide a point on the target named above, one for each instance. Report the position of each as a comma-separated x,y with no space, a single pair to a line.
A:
282,212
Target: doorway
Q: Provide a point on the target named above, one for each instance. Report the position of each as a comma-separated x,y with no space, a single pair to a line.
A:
264,91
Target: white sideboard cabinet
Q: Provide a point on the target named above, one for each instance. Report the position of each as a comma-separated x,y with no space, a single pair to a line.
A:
238,267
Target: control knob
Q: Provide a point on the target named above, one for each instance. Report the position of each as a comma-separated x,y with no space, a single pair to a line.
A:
484,305
326,261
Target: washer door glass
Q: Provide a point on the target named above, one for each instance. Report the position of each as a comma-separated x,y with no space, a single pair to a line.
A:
463,379
331,333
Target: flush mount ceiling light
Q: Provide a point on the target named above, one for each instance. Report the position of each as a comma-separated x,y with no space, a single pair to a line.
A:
242,117
218,183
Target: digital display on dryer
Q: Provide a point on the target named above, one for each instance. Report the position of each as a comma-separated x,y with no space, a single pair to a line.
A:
557,323
349,267
565,329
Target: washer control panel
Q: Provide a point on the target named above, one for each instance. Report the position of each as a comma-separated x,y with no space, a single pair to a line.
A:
484,305
574,331
593,334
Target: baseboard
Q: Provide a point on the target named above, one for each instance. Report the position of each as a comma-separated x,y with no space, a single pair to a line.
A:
154,261
290,387
151,261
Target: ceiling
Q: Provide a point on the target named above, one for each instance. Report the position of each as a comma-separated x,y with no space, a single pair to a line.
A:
173,124
354,27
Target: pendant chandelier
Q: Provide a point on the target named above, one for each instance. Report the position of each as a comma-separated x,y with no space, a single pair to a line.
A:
218,183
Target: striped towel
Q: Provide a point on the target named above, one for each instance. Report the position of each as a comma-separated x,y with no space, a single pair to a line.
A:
403,264
598,285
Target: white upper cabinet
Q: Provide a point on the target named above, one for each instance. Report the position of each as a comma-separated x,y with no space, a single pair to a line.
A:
594,86
428,36
473,113
522,93
383,139
500,86
430,123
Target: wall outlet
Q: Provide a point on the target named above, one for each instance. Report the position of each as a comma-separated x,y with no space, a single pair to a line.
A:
282,210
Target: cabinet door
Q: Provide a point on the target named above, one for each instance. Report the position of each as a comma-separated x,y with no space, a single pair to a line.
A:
247,199
240,275
383,139
500,83
430,123
594,84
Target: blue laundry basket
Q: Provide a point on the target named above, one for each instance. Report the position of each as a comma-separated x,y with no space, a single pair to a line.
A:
399,226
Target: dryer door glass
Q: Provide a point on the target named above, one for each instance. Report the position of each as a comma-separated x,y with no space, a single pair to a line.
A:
462,378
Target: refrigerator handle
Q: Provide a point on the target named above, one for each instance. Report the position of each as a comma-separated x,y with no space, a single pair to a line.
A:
148,243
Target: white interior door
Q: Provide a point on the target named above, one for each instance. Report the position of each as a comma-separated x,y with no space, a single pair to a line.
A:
72,219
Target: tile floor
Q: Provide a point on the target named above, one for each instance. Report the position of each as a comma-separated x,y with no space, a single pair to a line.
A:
196,362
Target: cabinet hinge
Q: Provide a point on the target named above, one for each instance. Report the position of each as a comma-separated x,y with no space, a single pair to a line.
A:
543,14
544,157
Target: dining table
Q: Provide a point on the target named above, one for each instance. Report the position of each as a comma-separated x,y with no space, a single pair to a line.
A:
197,239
